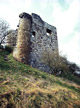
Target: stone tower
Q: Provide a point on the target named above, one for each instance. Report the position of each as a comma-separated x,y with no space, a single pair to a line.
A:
34,37
21,51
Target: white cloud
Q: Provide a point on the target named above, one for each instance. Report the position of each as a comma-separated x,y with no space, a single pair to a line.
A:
72,49
44,3
28,5
68,1
65,21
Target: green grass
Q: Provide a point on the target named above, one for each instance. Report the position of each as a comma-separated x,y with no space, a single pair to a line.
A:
22,86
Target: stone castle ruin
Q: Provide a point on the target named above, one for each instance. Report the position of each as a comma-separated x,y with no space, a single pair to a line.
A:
34,37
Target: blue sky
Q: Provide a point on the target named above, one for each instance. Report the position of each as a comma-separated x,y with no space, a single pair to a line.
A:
64,14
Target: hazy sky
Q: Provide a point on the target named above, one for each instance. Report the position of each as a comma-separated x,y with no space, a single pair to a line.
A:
64,14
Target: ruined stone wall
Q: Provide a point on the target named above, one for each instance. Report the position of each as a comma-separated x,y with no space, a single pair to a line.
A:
34,37
22,49
11,38
43,37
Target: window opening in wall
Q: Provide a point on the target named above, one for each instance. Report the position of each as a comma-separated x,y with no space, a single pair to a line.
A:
13,44
48,32
33,34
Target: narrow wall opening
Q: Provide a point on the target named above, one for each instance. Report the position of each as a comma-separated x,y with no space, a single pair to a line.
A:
48,32
33,34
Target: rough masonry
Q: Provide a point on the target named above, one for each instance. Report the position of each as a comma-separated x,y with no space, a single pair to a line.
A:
11,38
34,37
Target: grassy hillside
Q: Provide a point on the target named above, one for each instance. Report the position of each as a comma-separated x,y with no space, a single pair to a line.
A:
22,86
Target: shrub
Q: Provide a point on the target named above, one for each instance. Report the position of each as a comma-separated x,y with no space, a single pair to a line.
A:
57,63
73,67
1,47
8,48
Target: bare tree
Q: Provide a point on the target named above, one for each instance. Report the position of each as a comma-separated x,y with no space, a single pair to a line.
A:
4,27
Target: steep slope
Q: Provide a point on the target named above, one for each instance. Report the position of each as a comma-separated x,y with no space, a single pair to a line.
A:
22,86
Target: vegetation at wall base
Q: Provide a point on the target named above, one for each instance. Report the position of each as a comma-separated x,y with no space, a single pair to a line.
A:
22,86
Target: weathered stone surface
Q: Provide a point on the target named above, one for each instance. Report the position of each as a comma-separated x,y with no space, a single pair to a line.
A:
11,38
22,49
45,38
34,37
